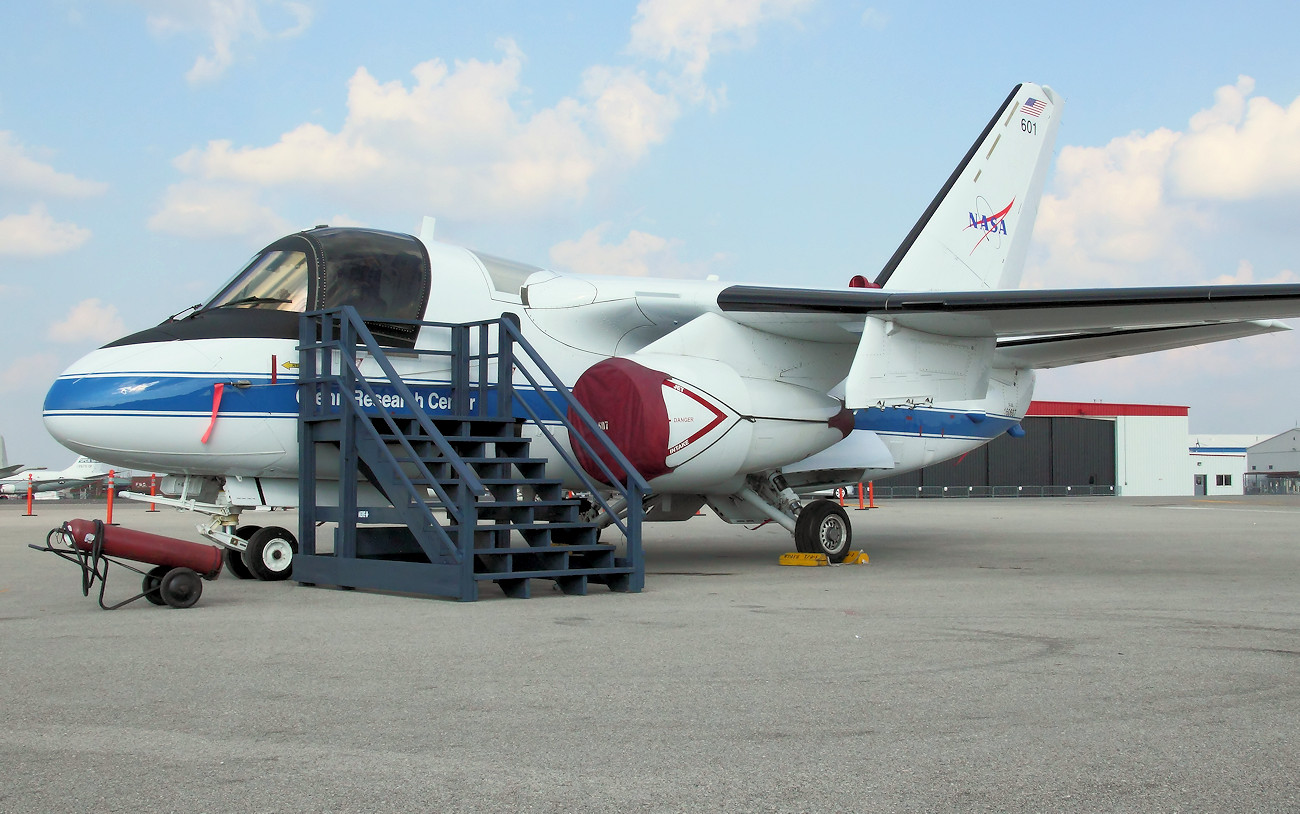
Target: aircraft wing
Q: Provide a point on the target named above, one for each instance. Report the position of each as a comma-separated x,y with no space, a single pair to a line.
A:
940,346
1126,317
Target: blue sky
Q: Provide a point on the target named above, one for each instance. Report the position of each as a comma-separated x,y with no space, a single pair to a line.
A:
148,148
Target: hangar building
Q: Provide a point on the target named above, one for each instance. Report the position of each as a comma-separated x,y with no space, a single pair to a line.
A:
1218,463
1274,465
1069,448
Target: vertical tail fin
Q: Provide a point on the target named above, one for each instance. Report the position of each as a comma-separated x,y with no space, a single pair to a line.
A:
4,457
975,233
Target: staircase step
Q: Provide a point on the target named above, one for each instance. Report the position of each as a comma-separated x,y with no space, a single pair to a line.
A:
551,549
486,576
507,539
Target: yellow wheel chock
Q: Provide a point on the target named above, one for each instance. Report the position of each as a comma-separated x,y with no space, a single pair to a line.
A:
799,558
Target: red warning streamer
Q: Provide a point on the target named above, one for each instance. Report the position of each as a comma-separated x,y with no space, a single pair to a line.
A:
216,405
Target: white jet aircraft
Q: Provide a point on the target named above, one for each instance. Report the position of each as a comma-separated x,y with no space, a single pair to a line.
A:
7,469
743,397
82,472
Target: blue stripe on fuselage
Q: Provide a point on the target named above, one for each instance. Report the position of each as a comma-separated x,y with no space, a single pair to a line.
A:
173,395
170,394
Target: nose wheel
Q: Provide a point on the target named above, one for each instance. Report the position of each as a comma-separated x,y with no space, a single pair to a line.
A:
823,527
270,552
235,558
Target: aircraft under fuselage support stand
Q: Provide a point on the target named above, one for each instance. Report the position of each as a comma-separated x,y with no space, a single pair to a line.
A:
747,398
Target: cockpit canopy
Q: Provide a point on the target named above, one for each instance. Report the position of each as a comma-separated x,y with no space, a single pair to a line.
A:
384,275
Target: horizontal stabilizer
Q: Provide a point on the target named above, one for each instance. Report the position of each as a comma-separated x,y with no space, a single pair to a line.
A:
837,315
1059,351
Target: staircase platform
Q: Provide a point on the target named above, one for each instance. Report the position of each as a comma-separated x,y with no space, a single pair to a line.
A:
465,502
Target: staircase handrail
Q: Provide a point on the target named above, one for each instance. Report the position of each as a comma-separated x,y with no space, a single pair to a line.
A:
468,477
635,486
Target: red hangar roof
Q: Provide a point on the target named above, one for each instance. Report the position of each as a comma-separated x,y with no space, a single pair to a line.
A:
1096,408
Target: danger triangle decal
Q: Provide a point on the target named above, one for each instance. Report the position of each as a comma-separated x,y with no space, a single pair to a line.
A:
691,417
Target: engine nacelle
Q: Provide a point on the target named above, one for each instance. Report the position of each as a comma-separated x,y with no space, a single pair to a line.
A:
690,424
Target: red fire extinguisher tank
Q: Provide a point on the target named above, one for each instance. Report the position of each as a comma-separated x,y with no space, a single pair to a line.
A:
142,546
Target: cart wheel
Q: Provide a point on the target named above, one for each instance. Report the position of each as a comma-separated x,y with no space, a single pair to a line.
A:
152,580
181,587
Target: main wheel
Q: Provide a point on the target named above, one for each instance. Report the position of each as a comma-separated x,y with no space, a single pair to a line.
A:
823,528
235,559
152,580
269,555
181,587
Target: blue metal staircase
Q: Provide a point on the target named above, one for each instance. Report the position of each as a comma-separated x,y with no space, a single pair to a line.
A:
436,489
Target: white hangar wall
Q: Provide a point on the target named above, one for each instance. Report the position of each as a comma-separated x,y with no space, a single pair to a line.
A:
1151,455
1218,462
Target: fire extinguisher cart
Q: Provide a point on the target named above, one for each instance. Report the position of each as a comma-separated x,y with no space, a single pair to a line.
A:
179,566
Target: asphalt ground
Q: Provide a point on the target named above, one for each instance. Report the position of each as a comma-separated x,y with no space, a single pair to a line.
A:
995,655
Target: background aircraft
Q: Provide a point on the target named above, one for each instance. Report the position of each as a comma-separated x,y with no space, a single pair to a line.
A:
747,398
82,472
5,469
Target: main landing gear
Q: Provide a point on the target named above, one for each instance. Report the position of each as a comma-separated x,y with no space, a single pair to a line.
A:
822,527
819,527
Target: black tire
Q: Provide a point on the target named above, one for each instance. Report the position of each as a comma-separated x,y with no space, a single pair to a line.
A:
823,528
270,553
152,580
235,559
235,564
181,587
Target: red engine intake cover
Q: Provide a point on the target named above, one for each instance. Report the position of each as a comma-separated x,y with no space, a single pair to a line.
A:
627,400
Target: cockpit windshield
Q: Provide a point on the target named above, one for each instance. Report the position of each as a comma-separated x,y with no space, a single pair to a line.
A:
276,280
384,275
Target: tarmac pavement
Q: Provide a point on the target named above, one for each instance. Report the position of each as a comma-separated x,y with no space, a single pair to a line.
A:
1036,655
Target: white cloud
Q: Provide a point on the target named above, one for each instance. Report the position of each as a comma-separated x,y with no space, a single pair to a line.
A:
1245,275
225,23
37,234
689,32
454,141
639,255
21,172
1110,211
1138,210
875,19
1240,148
465,138
631,114
29,373
199,210
88,320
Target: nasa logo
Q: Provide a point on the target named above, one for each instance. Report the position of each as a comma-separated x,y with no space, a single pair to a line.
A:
995,224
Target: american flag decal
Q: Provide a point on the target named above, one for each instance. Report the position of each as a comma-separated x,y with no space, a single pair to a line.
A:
1033,106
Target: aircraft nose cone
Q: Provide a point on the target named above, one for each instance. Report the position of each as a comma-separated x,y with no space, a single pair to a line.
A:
151,407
